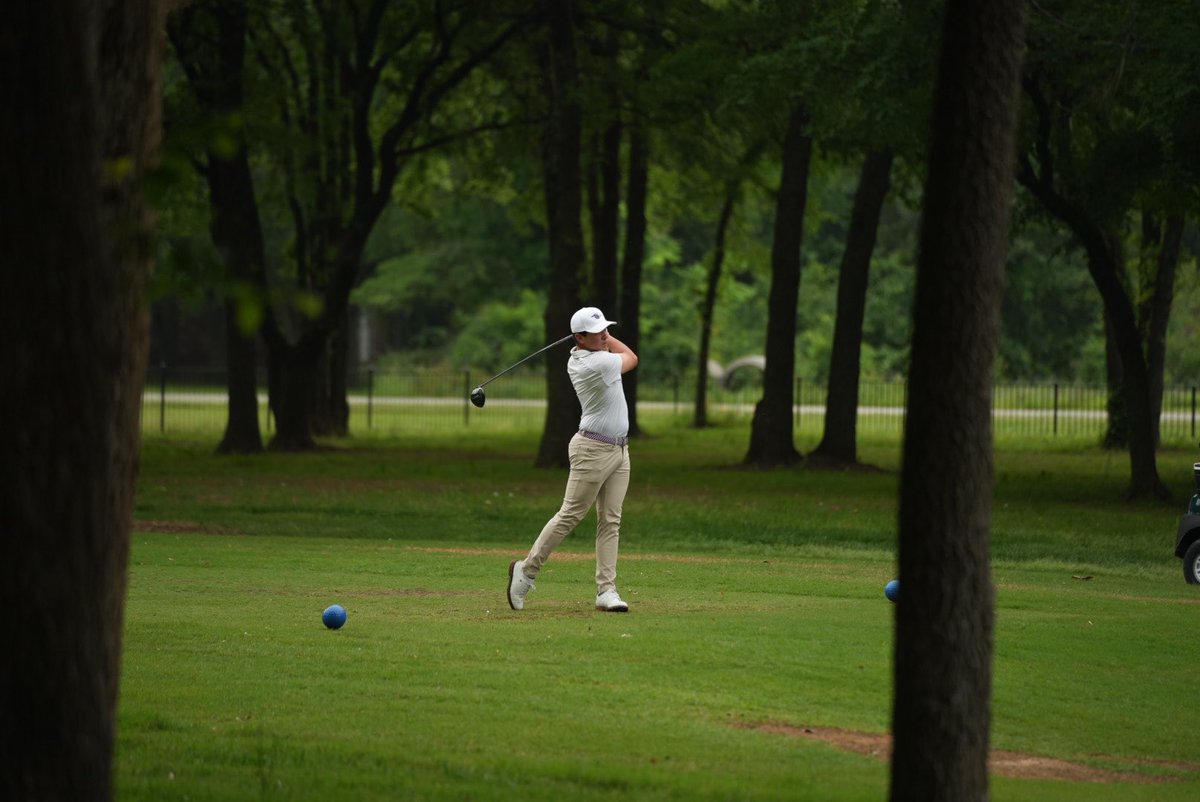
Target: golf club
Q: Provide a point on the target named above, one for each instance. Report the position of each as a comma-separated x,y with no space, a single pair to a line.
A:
478,398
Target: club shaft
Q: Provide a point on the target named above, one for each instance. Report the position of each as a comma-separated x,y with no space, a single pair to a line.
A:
526,359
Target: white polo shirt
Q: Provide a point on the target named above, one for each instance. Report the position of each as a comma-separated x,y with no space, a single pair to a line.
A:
596,376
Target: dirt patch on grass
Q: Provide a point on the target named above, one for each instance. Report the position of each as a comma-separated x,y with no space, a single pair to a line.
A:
171,527
1002,763
579,556
419,593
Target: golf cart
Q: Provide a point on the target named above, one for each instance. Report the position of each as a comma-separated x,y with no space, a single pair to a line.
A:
1187,540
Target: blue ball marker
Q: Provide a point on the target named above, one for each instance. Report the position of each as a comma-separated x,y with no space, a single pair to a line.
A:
334,616
892,590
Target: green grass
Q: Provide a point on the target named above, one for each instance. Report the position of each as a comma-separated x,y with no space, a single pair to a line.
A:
757,600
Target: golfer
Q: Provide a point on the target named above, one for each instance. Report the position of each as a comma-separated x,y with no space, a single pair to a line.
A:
599,461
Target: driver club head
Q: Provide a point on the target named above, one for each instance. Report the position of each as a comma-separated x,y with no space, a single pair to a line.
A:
477,397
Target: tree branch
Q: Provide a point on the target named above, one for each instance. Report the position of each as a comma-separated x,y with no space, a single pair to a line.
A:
458,136
389,149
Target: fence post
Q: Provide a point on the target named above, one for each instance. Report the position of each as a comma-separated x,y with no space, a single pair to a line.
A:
1056,409
466,396
799,390
675,388
162,397
370,396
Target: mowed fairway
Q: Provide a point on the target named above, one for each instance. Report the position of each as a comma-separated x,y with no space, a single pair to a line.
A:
755,664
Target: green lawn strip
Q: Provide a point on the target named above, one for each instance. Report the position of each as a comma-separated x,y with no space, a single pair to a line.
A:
1065,507
233,689
758,602
437,679
1105,659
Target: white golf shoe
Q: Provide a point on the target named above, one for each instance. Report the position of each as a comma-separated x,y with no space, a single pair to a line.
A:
610,602
518,584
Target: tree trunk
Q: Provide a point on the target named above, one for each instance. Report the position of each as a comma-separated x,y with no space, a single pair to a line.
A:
210,42
606,223
560,162
839,444
1155,313
605,185
238,236
293,388
1105,266
630,309
81,128
320,412
339,379
700,413
242,433
330,410
771,432
1116,428
344,151
1119,312
944,616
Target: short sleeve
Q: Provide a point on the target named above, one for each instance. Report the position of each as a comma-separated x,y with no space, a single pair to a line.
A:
609,368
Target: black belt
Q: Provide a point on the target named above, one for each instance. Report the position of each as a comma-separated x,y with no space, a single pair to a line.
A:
604,438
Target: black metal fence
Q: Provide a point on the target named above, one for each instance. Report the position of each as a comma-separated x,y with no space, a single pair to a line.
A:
399,402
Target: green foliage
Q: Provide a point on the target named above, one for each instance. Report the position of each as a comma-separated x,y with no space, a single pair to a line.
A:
453,264
445,256
462,248
1052,313
1121,81
499,333
887,324
1183,357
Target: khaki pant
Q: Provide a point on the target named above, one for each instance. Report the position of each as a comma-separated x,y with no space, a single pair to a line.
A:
600,476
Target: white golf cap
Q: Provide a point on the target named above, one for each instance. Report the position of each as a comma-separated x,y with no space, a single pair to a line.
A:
591,320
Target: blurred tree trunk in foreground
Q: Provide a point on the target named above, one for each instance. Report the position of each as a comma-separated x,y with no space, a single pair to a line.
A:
81,125
944,616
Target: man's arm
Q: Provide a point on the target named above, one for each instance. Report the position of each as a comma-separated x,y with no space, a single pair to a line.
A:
629,359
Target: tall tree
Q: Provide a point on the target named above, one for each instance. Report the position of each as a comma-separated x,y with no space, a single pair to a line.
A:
604,176
81,110
839,443
358,88
367,85
561,143
1161,245
786,51
626,41
772,429
1113,134
630,308
1101,241
713,280
944,616
209,39
887,90
1152,285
